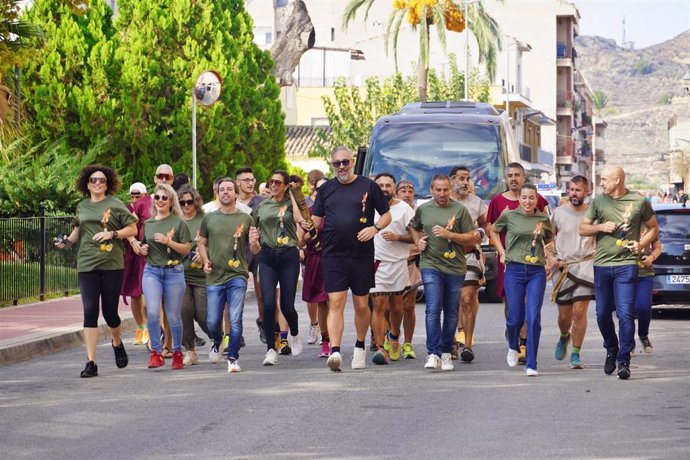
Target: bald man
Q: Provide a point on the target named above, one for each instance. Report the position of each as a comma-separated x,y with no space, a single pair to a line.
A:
615,218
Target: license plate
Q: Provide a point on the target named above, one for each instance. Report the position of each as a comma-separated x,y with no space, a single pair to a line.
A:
677,279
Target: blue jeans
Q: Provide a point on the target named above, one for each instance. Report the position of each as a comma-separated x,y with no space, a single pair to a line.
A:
615,289
643,305
231,292
165,285
279,266
524,288
442,294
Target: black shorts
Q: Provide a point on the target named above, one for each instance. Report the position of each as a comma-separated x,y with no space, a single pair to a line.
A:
343,272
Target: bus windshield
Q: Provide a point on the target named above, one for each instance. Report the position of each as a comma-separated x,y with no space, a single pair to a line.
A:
418,151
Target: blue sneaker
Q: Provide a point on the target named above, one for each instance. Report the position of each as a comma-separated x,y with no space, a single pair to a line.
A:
380,357
562,347
575,362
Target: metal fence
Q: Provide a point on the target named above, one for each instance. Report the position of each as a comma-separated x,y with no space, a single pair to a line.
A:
30,265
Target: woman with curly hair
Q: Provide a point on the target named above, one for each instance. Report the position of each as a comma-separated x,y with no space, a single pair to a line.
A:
102,222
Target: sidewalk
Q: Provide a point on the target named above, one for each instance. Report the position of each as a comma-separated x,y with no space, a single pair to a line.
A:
38,329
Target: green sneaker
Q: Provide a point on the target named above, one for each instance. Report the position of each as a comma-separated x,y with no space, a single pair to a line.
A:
394,352
575,362
387,343
562,347
408,351
226,342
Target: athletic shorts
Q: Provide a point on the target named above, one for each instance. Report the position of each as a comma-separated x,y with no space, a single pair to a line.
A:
343,272
475,270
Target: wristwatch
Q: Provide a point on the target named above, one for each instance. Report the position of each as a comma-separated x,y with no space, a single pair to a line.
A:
377,228
113,235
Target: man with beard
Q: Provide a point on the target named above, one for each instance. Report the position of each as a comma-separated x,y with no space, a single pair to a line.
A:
392,250
469,296
508,201
574,264
347,203
620,215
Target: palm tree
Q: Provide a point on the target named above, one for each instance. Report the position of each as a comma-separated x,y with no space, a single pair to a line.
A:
445,15
599,100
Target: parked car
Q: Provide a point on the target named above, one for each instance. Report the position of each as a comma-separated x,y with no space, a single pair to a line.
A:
672,268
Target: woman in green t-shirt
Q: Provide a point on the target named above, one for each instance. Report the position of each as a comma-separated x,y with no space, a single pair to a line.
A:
166,243
527,232
101,223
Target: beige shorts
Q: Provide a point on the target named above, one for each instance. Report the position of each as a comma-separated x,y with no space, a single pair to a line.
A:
475,270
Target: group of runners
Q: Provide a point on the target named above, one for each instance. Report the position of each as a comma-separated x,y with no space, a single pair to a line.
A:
364,236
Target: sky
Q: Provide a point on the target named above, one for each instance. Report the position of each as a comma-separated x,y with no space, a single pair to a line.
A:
647,22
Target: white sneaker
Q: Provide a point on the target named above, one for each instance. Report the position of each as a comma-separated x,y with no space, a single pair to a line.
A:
313,335
190,358
334,362
359,358
214,356
446,362
512,357
531,372
271,358
233,366
433,362
296,344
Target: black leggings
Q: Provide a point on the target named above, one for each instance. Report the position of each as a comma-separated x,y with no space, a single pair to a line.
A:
103,285
278,267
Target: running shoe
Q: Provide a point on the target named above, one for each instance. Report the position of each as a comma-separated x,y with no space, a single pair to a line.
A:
380,357
285,347
446,362
214,355
198,341
512,357
624,371
335,361
276,341
156,360
91,370
296,344
262,334
359,358
138,337
145,336
408,351
177,360
531,372
467,355
522,359
432,362
610,363
121,359
313,334
190,358
460,338
325,349
394,351
387,342
646,345
271,358
575,361
233,366
225,343
562,347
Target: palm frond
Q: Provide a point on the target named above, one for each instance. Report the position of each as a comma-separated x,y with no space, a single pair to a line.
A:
350,11
366,11
399,15
440,22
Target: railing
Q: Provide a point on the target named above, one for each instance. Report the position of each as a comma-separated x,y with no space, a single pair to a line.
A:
564,99
30,265
525,152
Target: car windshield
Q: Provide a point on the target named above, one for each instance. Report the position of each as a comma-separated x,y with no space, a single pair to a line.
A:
418,151
674,226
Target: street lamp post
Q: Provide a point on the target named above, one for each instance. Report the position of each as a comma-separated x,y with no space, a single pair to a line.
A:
206,91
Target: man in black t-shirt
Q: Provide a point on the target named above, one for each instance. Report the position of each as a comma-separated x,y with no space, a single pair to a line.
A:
348,203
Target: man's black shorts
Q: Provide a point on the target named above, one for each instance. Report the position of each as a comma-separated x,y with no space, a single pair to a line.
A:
343,272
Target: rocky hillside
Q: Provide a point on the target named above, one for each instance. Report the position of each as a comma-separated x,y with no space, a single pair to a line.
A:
645,89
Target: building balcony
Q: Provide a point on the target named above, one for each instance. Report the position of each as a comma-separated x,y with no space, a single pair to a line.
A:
525,152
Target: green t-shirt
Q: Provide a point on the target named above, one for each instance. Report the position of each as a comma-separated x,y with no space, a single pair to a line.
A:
426,216
93,255
218,229
160,254
194,276
633,209
266,217
520,228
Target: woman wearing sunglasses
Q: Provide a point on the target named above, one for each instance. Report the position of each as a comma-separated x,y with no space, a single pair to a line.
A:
528,232
102,222
166,243
194,301
276,219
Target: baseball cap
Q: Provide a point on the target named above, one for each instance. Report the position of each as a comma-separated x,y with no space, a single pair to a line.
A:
137,187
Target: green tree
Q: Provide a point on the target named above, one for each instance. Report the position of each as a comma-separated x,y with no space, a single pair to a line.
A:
445,15
164,47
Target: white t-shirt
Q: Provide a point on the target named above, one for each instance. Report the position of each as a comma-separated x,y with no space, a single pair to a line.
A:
394,251
569,244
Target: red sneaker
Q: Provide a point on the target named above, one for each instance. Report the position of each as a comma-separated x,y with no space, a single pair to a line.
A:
177,360
156,360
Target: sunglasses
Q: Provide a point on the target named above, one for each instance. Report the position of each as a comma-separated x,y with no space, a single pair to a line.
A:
275,182
160,197
186,202
98,180
164,176
337,163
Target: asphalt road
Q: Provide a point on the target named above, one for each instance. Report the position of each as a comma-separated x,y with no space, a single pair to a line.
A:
299,409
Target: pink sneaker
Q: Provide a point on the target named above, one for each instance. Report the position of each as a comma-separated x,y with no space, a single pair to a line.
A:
325,349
